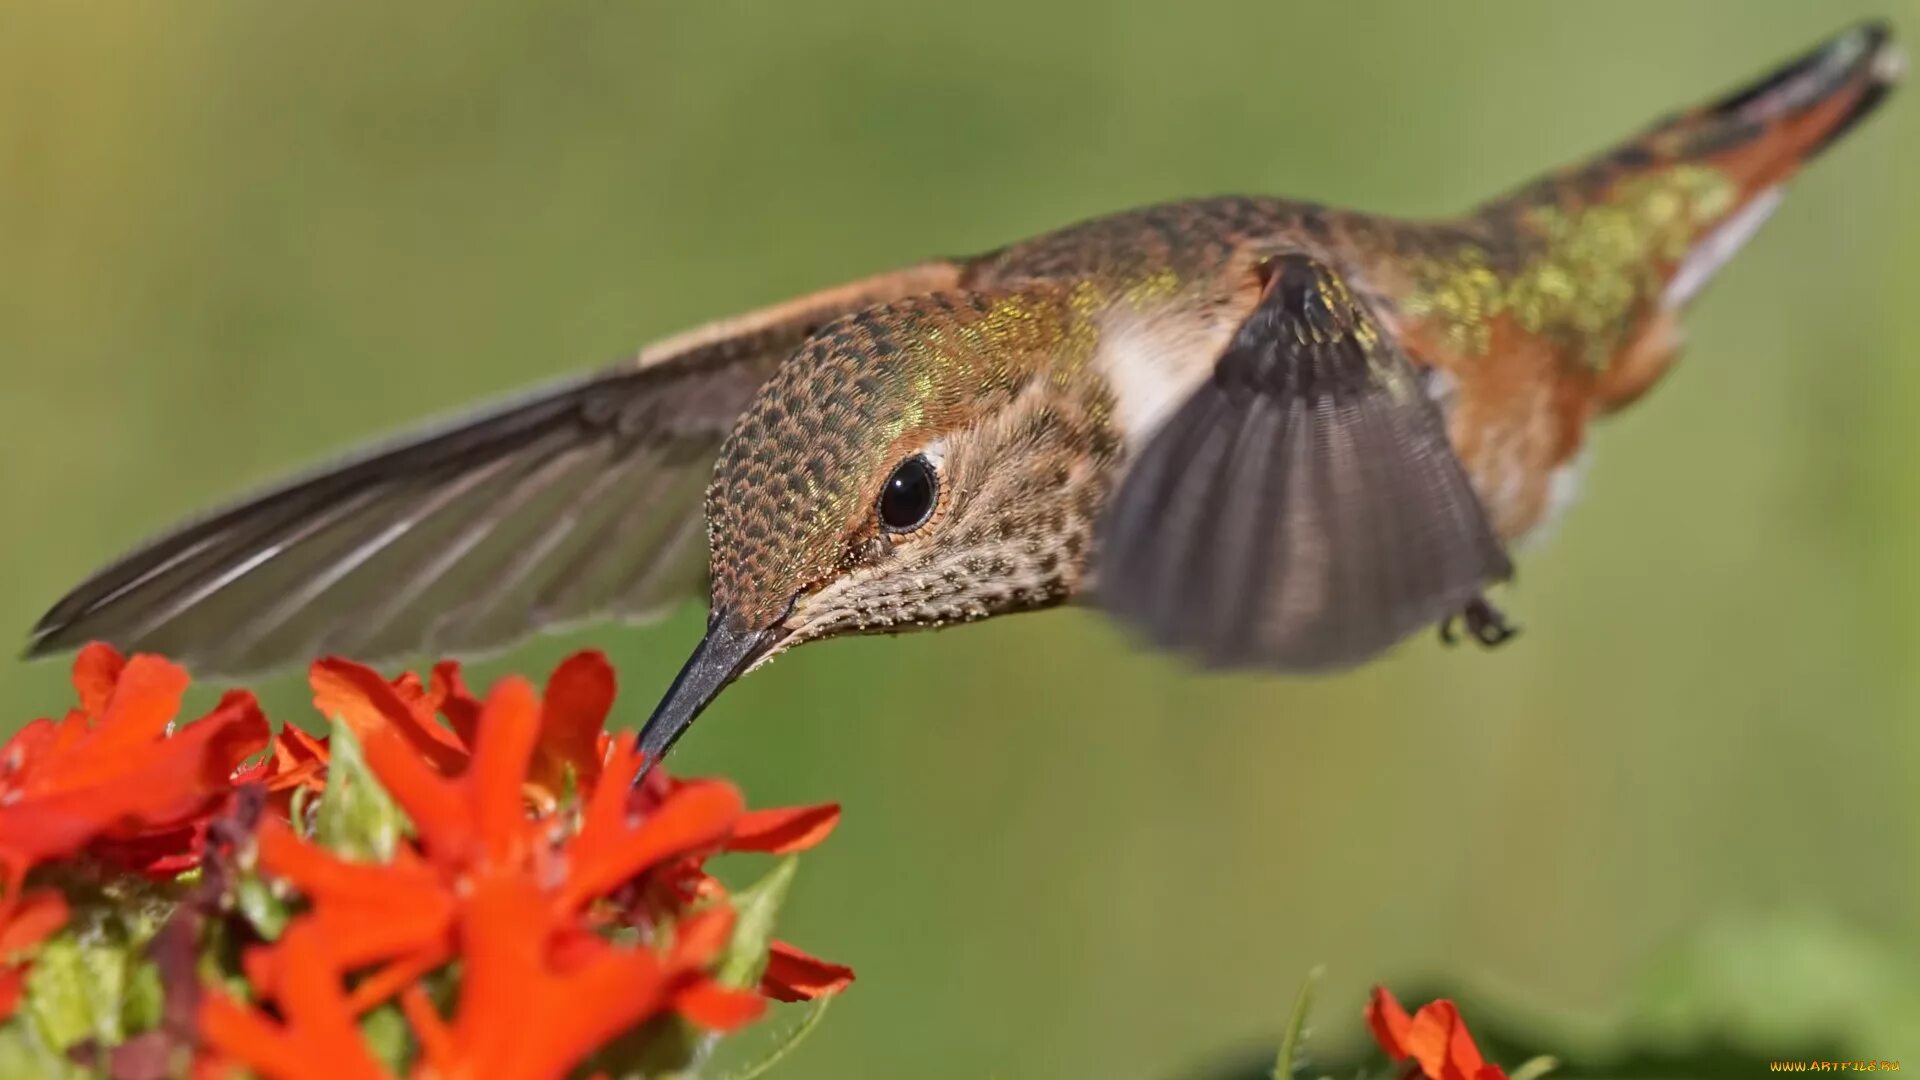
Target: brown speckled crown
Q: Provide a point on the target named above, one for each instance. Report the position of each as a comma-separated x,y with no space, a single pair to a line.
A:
793,492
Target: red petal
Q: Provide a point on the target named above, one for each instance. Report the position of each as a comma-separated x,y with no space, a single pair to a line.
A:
709,1005
36,917
27,748
296,746
579,694
459,706
261,966
147,787
783,831
13,982
1462,1055
95,671
321,874
700,937
509,727
435,1038
1439,1041
312,997
161,855
395,978
320,1039
607,803
1389,1023
423,703
574,947
431,801
143,703
579,1014
694,818
502,936
299,760
367,912
518,1018
359,698
251,735
792,975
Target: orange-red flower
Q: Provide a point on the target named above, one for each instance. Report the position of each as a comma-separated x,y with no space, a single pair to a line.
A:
572,741
1434,1038
499,880
112,768
112,778
571,903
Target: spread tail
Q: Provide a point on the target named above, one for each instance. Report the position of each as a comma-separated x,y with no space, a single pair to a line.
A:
1623,241
1760,134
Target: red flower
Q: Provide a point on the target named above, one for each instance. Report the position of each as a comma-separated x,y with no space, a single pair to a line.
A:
1435,1038
297,760
320,1034
506,890
113,778
111,769
572,739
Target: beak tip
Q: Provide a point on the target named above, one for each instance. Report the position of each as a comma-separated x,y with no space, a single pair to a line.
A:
720,658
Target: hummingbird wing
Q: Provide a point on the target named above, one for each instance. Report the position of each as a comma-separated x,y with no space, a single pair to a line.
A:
577,500
1303,509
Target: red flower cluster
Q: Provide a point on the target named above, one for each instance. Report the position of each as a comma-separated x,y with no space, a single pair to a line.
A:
1435,1039
571,904
509,893
112,780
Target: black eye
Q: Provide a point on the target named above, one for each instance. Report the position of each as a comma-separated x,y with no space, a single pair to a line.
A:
907,501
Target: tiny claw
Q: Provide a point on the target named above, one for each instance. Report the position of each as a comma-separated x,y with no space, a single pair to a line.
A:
1483,622
1487,625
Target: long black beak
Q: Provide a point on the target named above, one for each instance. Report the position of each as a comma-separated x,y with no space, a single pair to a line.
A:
719,659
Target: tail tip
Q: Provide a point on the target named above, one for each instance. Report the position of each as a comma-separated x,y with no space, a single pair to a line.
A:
1863,63
1888,65
1885,62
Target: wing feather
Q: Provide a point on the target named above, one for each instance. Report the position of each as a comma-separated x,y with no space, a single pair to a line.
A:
577,500
1302,510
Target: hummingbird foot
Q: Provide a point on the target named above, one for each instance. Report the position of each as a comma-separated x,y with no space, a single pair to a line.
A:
1483,621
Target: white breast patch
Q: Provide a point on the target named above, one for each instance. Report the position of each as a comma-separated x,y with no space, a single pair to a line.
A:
1153,361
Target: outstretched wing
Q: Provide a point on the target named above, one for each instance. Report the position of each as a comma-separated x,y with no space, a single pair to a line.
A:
574,501
1302,510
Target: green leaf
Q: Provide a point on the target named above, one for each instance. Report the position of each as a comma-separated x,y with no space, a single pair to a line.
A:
1763,982
797,1035
1535,1069
356,818
671,1049
145,998
300,810
389,1037
755,908
255,899
664,1048
1292,1043
92,980
24,1054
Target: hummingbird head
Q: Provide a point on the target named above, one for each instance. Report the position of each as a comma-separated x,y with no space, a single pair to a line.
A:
933,461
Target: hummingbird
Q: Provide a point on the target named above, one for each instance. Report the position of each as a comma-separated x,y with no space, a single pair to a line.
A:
1263,433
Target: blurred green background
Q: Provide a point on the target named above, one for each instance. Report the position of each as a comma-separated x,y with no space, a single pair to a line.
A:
1685,805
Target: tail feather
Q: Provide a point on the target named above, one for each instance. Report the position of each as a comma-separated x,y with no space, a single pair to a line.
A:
1760,134
1757,135
1613,249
